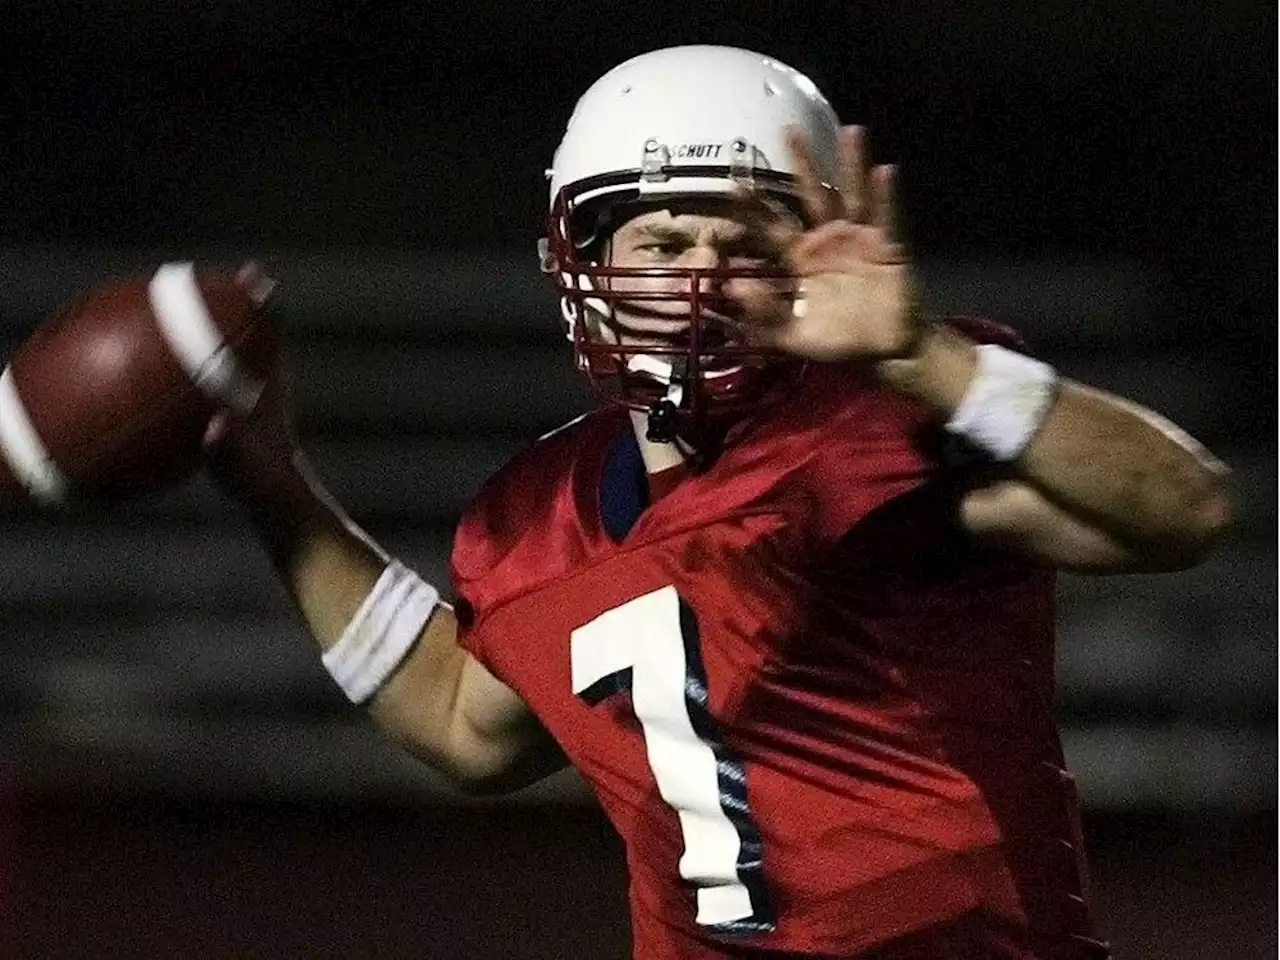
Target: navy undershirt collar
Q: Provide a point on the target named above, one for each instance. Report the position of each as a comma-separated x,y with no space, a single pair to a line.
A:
624,487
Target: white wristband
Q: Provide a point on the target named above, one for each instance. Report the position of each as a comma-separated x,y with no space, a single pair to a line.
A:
382,632
1005,403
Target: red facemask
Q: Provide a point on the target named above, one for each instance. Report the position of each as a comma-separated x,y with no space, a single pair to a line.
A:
687,383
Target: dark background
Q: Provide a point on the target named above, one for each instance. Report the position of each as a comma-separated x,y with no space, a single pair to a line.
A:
184,780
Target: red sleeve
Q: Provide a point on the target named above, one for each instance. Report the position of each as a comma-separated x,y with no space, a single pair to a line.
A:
523,511
473,555
469,638
877,445
871,456
476,551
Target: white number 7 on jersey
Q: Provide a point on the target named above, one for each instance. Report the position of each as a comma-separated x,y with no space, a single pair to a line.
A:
649,648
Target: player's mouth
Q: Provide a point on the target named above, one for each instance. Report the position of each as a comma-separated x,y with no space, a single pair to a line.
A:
715,330
717,345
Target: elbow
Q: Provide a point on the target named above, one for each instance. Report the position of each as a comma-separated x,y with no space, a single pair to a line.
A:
1202,528
1212,521
477,782
474,765
467,772
464,772
1217,513
493,782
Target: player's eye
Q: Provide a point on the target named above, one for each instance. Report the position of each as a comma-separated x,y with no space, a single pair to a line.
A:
663,248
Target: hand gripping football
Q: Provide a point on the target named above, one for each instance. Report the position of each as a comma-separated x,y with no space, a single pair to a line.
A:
110,397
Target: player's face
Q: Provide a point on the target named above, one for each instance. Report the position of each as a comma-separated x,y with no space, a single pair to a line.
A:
704,234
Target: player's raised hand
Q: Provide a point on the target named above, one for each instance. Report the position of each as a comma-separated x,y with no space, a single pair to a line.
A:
853,294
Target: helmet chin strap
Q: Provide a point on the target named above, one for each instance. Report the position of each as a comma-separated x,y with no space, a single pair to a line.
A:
661,427
697,446
673,374
663,424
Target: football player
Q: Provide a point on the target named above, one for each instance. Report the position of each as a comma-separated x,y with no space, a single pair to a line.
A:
786,599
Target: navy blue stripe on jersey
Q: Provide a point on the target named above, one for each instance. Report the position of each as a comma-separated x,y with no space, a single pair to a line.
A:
624,489
732,776
606,687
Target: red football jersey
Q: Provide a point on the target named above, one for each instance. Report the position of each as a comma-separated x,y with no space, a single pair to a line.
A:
819,717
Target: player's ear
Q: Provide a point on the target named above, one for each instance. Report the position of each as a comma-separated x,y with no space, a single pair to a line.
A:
546,259
597,328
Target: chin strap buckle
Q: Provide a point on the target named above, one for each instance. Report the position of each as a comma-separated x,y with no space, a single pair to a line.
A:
662,422
663,413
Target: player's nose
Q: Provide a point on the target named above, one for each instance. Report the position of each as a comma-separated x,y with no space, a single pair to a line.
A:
705,256
702,256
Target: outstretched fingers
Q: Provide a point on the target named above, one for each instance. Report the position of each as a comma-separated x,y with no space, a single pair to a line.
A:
853,172
885,215
822,201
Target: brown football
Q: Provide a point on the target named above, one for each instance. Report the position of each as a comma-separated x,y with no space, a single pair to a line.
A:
110,397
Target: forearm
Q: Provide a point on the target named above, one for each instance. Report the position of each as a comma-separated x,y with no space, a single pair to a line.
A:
436,701
1103,460
330,567
327,563
1127,470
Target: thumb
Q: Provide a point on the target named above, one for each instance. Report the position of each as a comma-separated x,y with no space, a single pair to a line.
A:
254,282
215,433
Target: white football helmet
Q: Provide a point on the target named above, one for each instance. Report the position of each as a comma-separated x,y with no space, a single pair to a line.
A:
694,121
